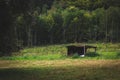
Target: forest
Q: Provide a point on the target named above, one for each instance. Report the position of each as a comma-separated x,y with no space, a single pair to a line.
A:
59,40
28,23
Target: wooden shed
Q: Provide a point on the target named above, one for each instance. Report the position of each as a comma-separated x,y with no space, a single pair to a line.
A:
78,49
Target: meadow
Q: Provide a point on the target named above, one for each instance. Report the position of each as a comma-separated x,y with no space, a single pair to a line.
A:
52,63
58,52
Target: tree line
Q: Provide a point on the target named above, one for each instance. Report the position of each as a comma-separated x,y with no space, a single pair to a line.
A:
27,23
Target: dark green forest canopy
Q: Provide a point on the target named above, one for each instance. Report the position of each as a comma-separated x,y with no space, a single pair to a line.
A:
37,22
10,9
21,6
90,4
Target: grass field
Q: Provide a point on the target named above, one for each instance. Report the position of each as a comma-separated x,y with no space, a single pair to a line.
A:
60,70
51,63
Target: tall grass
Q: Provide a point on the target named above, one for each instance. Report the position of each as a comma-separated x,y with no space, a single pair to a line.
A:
54,52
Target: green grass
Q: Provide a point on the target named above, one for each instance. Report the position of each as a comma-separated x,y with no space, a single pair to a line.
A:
35,57
57,52
72,73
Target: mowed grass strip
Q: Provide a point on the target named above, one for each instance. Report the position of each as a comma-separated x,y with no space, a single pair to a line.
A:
60,70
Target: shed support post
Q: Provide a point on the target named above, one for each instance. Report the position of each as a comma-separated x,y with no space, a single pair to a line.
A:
84,50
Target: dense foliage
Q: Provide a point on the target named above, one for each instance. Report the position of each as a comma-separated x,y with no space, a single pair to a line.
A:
37,22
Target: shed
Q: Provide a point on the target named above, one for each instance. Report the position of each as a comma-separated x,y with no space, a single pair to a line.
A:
79,49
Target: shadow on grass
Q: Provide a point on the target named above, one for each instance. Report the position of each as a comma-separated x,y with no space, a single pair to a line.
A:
92,54
61,73
87,55
118,54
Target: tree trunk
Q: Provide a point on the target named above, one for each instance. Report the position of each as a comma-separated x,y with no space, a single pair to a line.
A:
106,29
29,33
64,37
